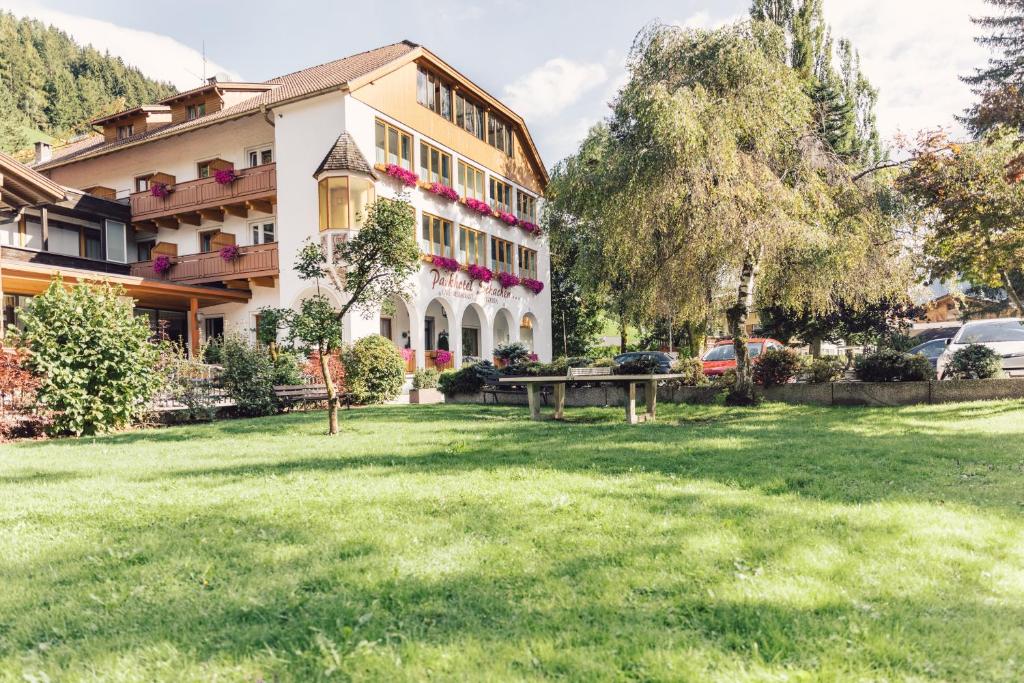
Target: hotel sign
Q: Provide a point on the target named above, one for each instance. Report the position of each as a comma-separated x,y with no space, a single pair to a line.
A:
460,286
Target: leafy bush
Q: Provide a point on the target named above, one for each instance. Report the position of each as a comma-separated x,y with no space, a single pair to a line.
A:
641,366
374,370
825,370
536,369
887,365
776,367
425,379
188,382
603,363
96,365
512,353
211,352
692,370
313,371
288,368
248,376
975,362
467,380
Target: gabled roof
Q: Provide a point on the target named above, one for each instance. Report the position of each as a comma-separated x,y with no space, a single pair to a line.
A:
214,85
344,155
143,109
20,186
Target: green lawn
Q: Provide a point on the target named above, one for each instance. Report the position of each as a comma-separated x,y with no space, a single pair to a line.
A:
461,542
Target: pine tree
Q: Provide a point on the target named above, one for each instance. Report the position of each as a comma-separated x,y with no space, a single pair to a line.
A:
1000,84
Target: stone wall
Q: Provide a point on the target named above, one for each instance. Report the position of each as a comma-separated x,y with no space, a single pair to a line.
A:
838,394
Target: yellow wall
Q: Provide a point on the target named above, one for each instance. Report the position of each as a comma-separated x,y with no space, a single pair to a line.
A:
395,95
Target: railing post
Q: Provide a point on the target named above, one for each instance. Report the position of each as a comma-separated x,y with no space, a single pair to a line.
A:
193,326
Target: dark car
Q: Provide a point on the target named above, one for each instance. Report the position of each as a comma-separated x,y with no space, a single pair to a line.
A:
661,361
931,350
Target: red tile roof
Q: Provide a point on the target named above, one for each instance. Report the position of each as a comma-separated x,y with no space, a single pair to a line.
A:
291,86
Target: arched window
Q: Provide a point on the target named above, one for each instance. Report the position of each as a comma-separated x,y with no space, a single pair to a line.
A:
343,202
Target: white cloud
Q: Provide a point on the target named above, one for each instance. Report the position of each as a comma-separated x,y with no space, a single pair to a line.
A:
552,87
157,56
914,52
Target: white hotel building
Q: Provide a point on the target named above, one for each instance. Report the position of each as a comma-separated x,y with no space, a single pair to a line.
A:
309,151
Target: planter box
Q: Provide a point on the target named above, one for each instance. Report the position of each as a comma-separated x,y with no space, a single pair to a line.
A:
425,396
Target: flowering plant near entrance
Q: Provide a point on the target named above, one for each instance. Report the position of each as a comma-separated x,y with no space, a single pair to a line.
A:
408,178
442,357
442,190
480,273
507,280
161,265
535,286
229,252
445,263
225,176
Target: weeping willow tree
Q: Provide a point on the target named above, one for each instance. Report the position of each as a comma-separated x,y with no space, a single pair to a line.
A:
710,173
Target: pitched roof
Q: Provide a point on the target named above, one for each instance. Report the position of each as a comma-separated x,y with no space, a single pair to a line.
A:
345,156
297,85
21,186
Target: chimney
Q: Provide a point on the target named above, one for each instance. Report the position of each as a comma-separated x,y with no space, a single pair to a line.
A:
43,152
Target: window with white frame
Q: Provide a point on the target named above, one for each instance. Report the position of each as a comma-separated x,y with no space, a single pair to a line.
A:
258,156
263,232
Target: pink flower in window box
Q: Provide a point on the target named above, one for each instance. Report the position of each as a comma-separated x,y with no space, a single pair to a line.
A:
229,252
508,218
159,190
535,286
480,273
442,357
529,227
480,207
407,177
161,265
442,190
507,280
445,263
225,176
408,354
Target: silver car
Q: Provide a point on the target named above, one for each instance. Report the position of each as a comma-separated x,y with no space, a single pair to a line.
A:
1004,336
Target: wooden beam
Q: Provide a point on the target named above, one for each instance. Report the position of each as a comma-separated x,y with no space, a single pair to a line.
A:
267,281
190,218
169,222
237,284
261,205
237,210
212,214
193,326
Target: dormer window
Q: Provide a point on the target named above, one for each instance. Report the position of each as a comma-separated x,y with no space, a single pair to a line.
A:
194,111
343,202
125,132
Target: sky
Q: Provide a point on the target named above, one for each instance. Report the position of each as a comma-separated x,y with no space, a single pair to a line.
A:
558,63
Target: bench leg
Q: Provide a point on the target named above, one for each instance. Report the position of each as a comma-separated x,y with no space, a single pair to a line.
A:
630,390
533,397
559,401
652,400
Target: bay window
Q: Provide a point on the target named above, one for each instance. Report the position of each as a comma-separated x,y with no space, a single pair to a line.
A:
394,146
343,202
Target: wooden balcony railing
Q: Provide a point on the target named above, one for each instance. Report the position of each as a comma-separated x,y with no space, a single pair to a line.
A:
254,188
258,261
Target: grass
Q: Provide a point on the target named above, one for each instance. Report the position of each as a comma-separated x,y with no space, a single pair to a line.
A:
464,542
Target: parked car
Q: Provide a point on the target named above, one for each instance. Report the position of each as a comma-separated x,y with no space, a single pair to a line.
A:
931,350
722,357
662,360
1005,336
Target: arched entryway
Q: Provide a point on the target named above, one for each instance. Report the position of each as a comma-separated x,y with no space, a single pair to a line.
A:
505,330
396,325
475,342
528,331
437,335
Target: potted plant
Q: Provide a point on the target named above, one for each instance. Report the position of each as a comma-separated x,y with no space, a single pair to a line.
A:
424,387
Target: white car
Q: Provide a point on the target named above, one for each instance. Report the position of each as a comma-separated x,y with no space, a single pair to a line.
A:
1005,336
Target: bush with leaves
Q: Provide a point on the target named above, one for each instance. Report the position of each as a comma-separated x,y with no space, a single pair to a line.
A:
513,353
468,380
288,368
188,381
776,367
374,370
825,370
96,365
975,361
425,379
692,370
248,376
887,365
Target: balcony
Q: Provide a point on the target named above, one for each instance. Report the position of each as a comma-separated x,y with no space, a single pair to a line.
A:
257,263
192,201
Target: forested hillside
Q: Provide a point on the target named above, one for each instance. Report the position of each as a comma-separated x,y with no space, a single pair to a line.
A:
51,85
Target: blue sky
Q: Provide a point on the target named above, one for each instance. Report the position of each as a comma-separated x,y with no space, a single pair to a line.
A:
557,62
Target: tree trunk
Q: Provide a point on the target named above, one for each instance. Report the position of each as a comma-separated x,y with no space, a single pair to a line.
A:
815,345
743,391
332,394
622,333
1015,296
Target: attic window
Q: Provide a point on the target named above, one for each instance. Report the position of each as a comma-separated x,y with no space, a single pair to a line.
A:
124,132
194,111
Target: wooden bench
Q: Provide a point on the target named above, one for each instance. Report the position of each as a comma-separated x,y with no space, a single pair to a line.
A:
494,391
578,373
300,393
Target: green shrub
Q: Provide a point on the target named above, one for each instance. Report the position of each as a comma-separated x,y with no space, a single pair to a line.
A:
374,370
96,365
825,370
288,368
776,367
641,366
607,362
425,379
249,376
887,365
211,352
537,369
692,370
189,382
512,353
975,362
467,380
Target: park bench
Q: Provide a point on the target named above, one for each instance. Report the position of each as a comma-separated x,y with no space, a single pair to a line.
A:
300,393
495,390
583,373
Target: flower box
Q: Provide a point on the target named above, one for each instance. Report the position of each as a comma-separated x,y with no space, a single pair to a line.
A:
531,228
425,396
442,190
445,263
507,280
225,176
160,190
229,252
535,286
478,206
407,177
162,265
508,218
480,273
